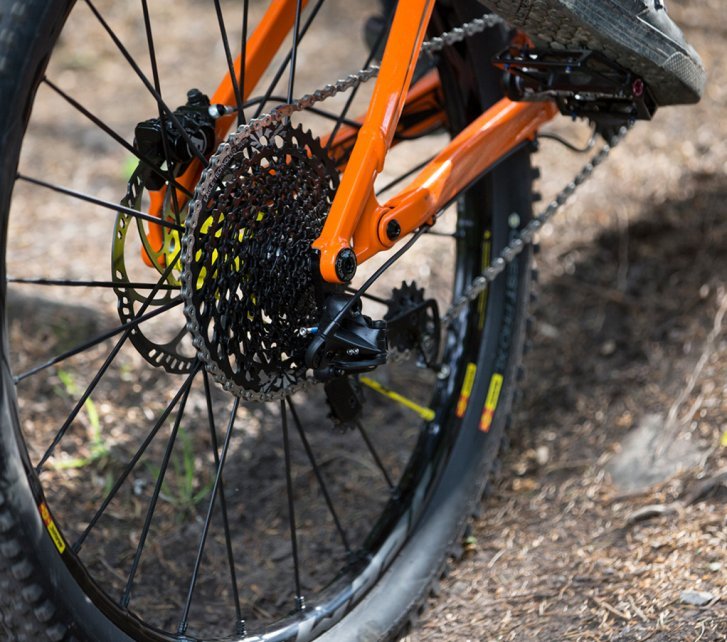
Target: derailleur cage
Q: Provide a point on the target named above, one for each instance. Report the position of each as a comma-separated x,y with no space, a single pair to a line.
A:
583,83
413,323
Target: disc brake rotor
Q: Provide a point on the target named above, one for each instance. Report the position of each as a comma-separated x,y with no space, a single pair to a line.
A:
248,267
157,346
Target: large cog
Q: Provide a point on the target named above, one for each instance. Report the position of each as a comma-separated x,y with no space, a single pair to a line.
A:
247,277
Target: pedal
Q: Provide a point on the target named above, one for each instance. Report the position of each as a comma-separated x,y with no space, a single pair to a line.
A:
583,83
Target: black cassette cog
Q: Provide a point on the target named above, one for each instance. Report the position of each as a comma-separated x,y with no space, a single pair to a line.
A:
248,265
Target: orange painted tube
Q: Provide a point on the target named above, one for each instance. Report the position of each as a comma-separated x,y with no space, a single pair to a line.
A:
262,45
355,196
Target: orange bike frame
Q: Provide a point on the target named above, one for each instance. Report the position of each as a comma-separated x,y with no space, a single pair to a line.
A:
357,221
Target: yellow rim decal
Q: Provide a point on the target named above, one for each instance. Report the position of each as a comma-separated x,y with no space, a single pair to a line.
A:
493,396
51,527
464,395
425,413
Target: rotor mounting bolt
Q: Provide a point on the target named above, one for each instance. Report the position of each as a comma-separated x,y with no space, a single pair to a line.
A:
393,229
346,264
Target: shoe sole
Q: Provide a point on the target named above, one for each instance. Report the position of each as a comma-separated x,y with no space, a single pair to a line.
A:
674,74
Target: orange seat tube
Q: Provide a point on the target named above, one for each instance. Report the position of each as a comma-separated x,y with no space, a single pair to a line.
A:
355,195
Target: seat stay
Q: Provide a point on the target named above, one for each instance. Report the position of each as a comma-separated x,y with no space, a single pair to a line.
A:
357,222
479,147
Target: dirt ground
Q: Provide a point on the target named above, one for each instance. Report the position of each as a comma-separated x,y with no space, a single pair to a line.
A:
610,504
629,354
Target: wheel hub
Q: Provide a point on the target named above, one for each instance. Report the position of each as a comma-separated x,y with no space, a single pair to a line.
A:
247,278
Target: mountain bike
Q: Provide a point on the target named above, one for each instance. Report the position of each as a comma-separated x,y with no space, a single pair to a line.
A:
253,385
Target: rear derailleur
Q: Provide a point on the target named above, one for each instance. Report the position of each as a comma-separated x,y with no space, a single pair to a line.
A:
347,343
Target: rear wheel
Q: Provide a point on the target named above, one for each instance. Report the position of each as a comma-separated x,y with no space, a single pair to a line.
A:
148,490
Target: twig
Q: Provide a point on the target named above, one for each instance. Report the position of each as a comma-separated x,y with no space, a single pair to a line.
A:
495,557
638,611
605,605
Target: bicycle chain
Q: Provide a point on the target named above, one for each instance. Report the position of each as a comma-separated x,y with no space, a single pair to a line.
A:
524,239
526,236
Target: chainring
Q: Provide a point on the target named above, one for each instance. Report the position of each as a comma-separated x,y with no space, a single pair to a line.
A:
248,267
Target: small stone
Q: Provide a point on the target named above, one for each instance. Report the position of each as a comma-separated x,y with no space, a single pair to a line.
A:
548,331
696,598
608,348
715,566
542,455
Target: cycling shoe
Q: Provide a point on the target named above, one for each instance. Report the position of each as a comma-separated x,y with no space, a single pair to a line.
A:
637,34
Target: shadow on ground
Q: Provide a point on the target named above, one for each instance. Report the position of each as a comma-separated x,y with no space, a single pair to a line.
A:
627,331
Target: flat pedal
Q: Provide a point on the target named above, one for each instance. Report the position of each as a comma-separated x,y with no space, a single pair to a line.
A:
583,83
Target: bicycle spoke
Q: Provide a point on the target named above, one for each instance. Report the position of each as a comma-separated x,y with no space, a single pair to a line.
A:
427,414
294,50
299,601
184,621
69,283
451,235
372,297
404,176
162,105
99,339
116,136
126,596
158,87
262,100
319,475
228,57
243,56
284,64
135,459
375,455
223,506
97,377
349,101
116,207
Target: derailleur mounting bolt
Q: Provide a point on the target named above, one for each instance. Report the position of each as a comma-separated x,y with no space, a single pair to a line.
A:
346,264
393,229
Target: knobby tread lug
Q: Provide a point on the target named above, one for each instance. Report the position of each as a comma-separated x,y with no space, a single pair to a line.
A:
495,473
26,612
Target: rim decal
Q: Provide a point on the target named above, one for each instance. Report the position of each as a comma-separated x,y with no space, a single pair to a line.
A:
493,396
51,527
464,395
